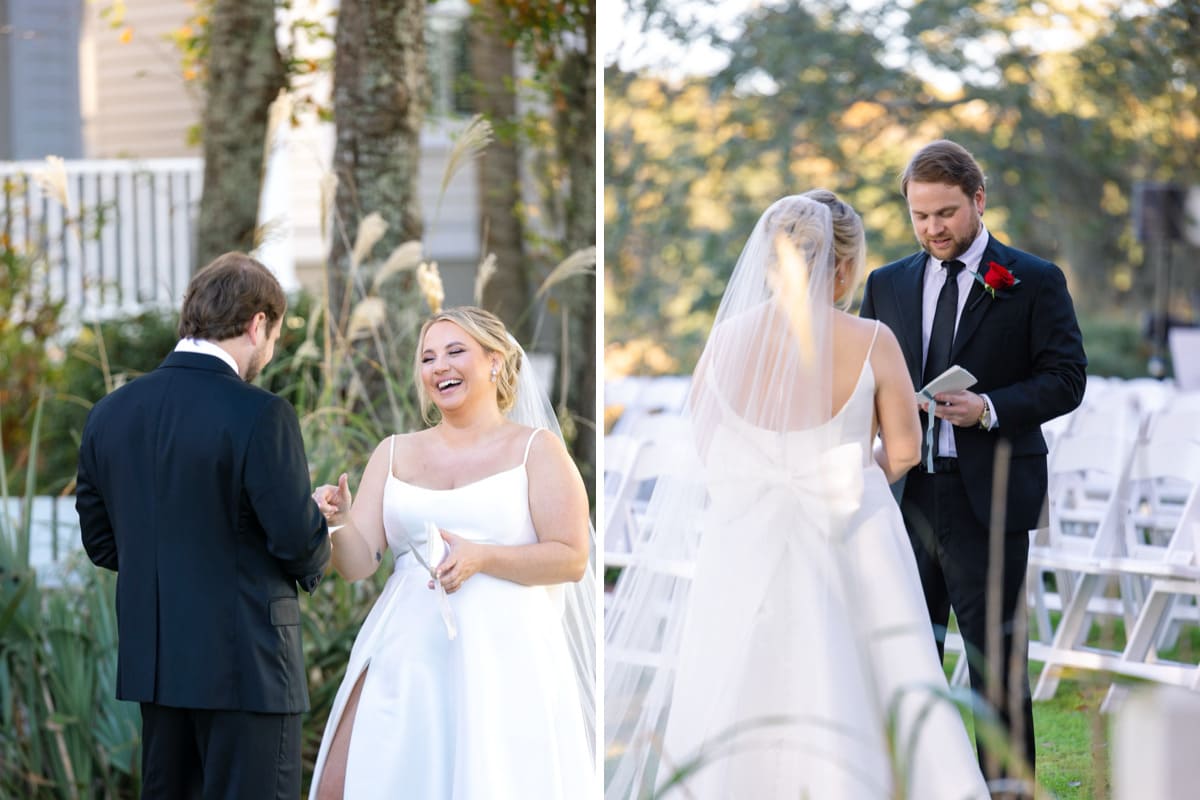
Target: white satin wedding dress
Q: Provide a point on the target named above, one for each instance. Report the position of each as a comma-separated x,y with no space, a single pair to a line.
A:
493,712
807,665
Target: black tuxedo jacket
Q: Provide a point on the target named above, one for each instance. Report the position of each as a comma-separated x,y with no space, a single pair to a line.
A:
1025,349
193,485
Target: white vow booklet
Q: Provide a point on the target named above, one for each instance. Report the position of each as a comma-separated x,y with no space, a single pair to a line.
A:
954,379
435,547
436,551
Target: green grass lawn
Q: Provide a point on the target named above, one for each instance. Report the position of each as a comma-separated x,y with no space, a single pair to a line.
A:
1072,737
1073,758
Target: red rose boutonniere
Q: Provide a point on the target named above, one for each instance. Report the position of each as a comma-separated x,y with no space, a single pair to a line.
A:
996,278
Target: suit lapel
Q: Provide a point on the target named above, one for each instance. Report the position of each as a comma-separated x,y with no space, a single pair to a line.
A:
978,300
908,287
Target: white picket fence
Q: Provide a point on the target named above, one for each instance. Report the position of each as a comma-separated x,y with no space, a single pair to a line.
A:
124,242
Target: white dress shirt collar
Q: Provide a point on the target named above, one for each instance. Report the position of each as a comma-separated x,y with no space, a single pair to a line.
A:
208,348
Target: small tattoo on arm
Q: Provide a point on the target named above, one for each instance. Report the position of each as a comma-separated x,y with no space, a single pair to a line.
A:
378,556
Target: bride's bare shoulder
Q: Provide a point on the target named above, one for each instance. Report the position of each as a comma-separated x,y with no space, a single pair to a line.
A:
856,329
403,444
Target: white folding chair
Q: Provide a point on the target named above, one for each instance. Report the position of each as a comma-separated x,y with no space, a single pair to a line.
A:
623,391
1086,473
1151,559
638,397
1162,532
1179,418
620,485
652,447
1150,394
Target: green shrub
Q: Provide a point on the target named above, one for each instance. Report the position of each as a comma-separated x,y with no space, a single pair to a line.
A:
101,357
29,320
62,732
1115,346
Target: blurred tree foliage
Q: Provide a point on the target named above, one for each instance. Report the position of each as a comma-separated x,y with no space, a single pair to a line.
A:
1066,105
550,114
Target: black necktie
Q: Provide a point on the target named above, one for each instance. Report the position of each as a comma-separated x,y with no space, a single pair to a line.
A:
941,338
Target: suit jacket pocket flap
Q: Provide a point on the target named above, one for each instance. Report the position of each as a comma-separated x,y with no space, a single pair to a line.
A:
285,611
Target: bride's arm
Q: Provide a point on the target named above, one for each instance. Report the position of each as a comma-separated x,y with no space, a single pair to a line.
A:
896,409
558,506
358,546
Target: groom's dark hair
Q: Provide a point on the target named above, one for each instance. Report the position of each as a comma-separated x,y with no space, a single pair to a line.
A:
943,161
224,296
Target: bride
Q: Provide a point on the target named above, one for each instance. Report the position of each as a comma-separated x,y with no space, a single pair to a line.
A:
473,676
771,639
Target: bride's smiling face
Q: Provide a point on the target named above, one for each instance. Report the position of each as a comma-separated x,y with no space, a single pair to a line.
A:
455,369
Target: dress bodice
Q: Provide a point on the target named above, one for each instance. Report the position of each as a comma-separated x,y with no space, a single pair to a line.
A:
828,459
491,510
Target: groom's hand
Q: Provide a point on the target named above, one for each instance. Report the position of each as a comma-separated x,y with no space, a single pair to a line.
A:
959,408
334,501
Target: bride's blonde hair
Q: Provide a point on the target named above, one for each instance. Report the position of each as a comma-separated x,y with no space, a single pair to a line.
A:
793,217
486,329
849,240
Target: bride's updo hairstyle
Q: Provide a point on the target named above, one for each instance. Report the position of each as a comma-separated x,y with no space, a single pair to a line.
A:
809,232
849,241
804,226
486,329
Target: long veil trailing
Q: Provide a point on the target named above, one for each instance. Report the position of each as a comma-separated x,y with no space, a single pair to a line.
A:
578,600
707,682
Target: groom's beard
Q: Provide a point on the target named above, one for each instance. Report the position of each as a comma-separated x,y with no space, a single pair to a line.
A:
958,245
258,360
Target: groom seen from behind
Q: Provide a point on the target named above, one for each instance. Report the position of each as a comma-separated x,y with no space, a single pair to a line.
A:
193,486
1006,317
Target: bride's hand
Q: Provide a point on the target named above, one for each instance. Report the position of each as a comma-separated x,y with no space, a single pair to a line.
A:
463,559
334,501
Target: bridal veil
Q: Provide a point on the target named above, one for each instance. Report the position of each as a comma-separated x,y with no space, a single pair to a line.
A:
707,673
531,407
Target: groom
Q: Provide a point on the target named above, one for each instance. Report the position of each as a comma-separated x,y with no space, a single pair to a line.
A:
1006,317
193,486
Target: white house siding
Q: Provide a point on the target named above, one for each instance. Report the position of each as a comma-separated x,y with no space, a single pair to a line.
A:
137,104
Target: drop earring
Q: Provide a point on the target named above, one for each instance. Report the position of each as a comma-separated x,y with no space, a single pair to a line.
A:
494,371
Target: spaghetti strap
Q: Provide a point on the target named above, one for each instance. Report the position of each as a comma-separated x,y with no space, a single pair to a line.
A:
391,452
874,336
529,445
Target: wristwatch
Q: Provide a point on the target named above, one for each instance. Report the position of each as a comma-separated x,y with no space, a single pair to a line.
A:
985,419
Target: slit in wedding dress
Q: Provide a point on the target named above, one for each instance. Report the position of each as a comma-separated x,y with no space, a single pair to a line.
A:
333,773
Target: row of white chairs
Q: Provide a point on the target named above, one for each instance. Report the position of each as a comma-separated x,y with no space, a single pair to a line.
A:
646,441
1122,539
1122,543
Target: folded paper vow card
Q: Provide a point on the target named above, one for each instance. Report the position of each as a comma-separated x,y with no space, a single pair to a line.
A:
954,379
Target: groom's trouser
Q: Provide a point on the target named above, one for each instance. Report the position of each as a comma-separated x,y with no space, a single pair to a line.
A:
219,755
952,552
